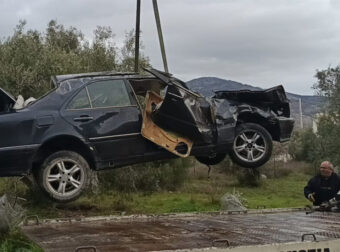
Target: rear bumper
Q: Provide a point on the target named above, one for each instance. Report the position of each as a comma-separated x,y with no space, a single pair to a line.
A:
286,126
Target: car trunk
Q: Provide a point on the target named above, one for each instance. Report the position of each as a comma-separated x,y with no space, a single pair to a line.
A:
275,98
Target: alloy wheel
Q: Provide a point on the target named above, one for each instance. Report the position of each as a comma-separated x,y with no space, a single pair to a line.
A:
250,145
64,177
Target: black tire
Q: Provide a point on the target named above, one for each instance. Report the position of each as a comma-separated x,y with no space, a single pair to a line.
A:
63,176
252,146
212,160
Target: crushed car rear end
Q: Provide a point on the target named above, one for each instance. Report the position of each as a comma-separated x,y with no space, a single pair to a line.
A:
269,107
240,123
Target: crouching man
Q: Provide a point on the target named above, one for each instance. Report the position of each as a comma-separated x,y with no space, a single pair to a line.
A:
323,187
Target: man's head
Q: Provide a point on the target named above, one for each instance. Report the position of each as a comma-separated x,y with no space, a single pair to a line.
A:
326,169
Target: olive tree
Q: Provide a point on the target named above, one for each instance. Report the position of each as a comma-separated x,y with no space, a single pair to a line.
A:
322,145
30,57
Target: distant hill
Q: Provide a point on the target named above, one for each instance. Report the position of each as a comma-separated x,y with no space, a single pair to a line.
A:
311,104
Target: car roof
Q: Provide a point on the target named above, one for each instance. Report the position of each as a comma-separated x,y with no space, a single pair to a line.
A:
56,80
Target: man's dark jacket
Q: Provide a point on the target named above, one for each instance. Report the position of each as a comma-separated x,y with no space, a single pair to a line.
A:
324,188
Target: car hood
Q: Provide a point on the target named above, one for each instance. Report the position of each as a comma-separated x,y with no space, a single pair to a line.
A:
6,99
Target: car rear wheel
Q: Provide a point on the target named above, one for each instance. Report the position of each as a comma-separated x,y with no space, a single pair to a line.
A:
252,145
64,175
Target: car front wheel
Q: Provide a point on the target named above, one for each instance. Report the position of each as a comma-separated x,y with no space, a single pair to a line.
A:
252,145
64,175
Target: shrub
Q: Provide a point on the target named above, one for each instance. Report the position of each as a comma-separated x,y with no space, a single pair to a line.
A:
148,177
249,177
30,57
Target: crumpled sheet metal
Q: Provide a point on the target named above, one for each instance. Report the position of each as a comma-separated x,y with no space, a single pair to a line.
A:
274,98
186,113
212,120
223,112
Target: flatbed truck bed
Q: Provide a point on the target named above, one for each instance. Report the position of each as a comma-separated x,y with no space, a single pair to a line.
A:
262,230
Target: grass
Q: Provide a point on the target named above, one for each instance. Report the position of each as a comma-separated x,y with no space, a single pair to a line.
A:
273,193
278,193
198,194
175,203
16,242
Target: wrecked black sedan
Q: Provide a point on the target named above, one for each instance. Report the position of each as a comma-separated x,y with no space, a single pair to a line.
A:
107,120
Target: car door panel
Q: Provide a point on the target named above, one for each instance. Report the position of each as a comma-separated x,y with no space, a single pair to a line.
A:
114,131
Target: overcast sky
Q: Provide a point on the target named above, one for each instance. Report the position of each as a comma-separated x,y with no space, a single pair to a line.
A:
258,42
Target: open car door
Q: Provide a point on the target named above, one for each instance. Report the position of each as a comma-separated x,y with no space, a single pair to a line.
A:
182,114
180,146
6,101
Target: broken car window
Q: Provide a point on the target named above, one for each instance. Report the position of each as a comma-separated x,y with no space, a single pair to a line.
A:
110,93
80,101
69,85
